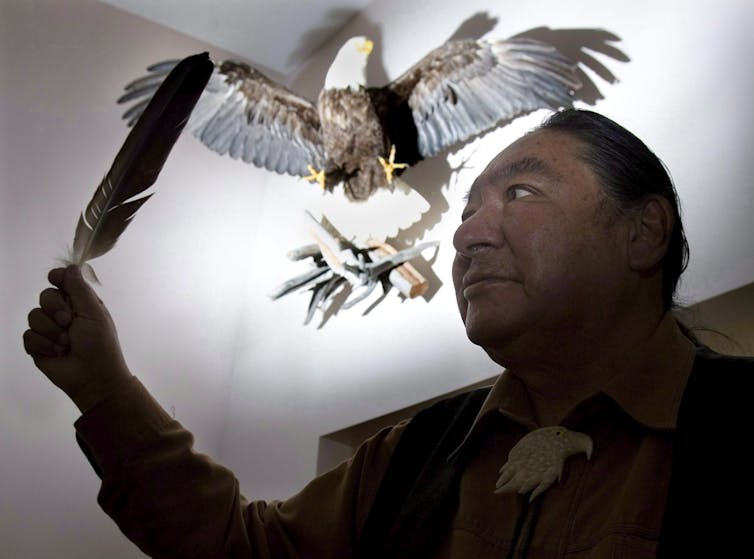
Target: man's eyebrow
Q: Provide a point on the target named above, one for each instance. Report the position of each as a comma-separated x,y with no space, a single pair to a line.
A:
525,166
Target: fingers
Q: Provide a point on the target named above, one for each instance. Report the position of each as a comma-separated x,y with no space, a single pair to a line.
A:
38,345
55,276
48,325
53,303
83,298
58,306
47,335
41,323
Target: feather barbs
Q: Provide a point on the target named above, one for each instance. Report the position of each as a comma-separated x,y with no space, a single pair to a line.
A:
100,225
139,161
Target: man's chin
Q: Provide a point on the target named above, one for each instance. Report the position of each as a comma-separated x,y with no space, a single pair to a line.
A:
487,336
495,337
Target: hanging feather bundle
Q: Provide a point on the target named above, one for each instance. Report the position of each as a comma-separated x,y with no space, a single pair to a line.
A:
139,161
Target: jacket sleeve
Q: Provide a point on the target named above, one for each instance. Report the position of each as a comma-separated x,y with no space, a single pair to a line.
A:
176,503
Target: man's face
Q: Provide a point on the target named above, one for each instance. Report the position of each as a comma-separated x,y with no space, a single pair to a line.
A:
537,255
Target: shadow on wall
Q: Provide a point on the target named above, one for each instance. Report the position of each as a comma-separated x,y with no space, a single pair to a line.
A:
576,44
313,39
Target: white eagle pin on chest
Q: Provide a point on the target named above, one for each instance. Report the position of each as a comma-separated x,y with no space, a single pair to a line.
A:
536,461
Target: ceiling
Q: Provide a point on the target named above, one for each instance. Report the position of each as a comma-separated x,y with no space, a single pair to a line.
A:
278,35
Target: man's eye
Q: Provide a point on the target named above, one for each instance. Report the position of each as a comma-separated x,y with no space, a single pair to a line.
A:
516,192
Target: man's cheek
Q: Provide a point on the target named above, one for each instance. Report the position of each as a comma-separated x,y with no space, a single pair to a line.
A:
460,265
459,269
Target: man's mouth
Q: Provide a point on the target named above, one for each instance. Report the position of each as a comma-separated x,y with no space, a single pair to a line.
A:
473,280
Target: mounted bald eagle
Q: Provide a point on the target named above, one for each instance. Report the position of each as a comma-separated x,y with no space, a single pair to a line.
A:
363,136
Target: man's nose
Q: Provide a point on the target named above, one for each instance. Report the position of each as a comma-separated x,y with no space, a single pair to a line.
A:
477,231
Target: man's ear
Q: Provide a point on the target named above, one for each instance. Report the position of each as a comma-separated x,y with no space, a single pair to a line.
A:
652,226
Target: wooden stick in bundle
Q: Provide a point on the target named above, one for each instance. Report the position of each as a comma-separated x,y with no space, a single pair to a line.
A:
404,277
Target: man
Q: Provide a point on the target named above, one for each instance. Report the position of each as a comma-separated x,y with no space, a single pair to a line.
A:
568,255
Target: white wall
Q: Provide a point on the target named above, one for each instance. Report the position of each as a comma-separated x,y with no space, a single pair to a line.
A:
187,284
170,282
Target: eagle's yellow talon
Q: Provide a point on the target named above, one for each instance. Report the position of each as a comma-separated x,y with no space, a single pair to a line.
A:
390,165
316,176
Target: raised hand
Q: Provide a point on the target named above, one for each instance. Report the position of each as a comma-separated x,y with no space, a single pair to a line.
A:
73,341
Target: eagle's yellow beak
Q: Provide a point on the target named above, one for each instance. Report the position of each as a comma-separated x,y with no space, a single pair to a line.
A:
366,47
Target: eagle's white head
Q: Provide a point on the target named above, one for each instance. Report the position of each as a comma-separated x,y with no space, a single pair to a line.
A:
349,69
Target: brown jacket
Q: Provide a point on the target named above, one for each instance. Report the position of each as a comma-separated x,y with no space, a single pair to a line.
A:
173,502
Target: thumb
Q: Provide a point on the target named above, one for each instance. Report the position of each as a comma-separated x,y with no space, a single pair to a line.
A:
83,298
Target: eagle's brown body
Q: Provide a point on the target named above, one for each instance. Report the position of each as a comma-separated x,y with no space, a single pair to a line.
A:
353,138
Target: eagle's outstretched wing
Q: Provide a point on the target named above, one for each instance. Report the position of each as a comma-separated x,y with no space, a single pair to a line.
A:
247,115
465,87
